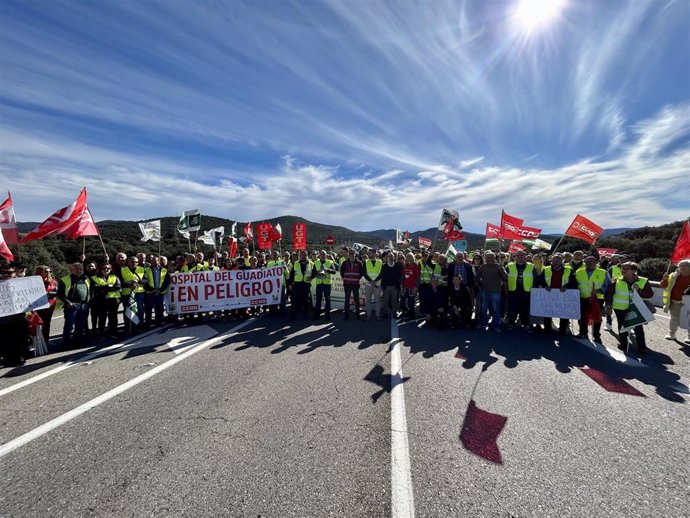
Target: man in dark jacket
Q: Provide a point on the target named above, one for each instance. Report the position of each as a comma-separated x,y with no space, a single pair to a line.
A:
74,291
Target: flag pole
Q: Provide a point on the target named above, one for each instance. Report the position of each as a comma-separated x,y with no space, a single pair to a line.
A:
83,247
558,244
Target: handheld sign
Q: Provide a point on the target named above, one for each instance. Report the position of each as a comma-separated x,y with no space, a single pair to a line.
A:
636,314
21,295
555,303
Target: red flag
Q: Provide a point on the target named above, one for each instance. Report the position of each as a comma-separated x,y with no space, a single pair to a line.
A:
606,252
73,221
682,249
276,233
509,226
299,236
4,249
450,231
248,231
515,246
423,241
232,247
265,231
407,236
585,229
493,231
8,221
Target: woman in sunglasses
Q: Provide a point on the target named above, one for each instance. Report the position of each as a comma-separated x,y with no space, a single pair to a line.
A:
51,286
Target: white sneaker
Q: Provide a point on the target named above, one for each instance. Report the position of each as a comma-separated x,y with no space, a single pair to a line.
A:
687,341
670,336
608,327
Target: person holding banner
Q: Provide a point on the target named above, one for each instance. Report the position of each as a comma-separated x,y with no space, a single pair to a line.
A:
675,286
557,276
619,296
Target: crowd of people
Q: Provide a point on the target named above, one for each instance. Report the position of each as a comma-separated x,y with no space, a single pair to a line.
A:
484,290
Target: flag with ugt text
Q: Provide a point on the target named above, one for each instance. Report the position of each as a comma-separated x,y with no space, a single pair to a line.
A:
72,221
264,234
8,221
450,225
299,236
585,229
682,249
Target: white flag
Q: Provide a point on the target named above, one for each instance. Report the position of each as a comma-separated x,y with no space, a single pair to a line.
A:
399,238
151,230
209,237
233,229
189,222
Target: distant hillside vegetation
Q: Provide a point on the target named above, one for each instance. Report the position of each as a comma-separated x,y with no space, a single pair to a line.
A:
652,246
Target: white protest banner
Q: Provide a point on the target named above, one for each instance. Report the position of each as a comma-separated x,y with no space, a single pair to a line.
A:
21,295
555,303
637,314
685,313
193,292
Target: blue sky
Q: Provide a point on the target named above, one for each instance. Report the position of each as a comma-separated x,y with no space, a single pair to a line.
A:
367,114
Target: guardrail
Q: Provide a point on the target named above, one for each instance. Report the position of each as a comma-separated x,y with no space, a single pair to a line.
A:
656,300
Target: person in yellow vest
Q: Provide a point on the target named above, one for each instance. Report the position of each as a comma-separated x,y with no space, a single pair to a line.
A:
277,261
372,274
301,275
614,270
212,266
521,276
675,286
324,269
619,297
591,279
74,293
557,276
105,300
426,272
132,280
157,281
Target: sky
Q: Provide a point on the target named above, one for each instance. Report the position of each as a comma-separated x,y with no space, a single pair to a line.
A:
362,113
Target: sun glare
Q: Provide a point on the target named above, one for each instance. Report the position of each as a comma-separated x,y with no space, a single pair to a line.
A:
533,15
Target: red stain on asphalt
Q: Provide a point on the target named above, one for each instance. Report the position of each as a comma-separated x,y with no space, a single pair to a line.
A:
611,383
480,432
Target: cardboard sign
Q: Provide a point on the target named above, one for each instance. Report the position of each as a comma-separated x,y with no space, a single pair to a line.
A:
193,292
21,295
555,303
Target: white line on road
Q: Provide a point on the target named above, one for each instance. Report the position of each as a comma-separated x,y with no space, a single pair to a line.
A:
95,354
81,409
402,500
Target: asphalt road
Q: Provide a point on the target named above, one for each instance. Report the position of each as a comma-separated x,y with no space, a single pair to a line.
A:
282,419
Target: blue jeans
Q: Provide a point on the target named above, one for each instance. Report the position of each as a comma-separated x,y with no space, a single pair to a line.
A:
76,319
323,291
491,302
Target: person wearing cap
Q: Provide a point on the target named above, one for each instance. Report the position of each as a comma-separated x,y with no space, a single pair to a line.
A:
105,299
619,297
74,293
675,286
324,269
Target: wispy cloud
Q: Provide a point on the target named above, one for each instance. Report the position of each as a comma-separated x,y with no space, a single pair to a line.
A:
368,114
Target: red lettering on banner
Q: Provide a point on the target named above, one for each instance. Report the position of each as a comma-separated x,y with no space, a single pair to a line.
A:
188,294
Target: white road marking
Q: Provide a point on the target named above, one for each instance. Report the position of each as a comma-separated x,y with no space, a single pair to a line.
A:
402,499
20,441
69,364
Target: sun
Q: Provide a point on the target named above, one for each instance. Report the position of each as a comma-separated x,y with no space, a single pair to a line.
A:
533,15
